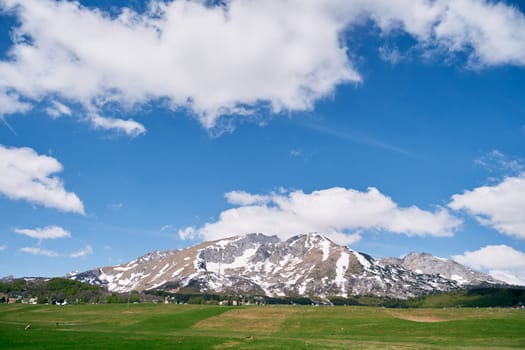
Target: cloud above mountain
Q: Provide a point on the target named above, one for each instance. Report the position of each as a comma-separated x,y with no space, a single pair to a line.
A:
39,251
26,175
339,213
500,206
228,59
502,262
48,232
87,250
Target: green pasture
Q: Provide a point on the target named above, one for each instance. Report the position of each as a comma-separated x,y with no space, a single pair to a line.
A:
149,326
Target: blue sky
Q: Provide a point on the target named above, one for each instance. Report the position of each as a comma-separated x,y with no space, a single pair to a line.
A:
391,127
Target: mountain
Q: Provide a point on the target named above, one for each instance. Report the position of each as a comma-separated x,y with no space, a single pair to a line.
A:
425,263
304,265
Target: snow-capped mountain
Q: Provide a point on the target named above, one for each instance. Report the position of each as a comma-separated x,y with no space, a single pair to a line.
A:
305,265
424,263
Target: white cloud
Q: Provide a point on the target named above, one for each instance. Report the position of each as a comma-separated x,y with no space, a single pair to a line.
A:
501,206
497,162
129,127
189,233
57,109
245,198
213,60
495,31
10,103
489,32
227,59
501,261
26,175
83,252
391,54
87,250
3,247
48,232
39,251
167,228
335,212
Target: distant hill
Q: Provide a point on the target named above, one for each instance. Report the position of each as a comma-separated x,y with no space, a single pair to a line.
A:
474,297
52,290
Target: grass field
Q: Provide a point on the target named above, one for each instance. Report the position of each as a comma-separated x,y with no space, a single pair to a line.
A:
265,327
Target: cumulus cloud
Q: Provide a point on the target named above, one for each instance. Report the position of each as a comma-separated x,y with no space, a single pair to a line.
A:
213,60
28,176
83,252
48,232
501,206
494,30
226,59
339,213
39,251
10,103
490,33
501,261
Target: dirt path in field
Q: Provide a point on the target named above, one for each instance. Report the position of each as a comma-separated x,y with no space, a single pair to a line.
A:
421,318
264,319
417,316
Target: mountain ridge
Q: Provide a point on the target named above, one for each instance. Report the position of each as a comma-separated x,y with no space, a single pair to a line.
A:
303,265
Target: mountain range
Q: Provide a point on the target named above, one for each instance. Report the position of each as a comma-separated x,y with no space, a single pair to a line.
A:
303,265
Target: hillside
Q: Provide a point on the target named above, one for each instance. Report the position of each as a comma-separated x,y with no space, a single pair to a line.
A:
51,290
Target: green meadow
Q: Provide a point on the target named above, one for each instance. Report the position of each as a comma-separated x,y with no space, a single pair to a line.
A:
149,326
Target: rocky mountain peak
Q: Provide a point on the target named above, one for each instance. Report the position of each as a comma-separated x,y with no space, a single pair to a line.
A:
307,265
425,263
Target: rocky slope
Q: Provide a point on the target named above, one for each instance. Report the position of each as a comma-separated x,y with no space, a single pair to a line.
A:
306,265
424,263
